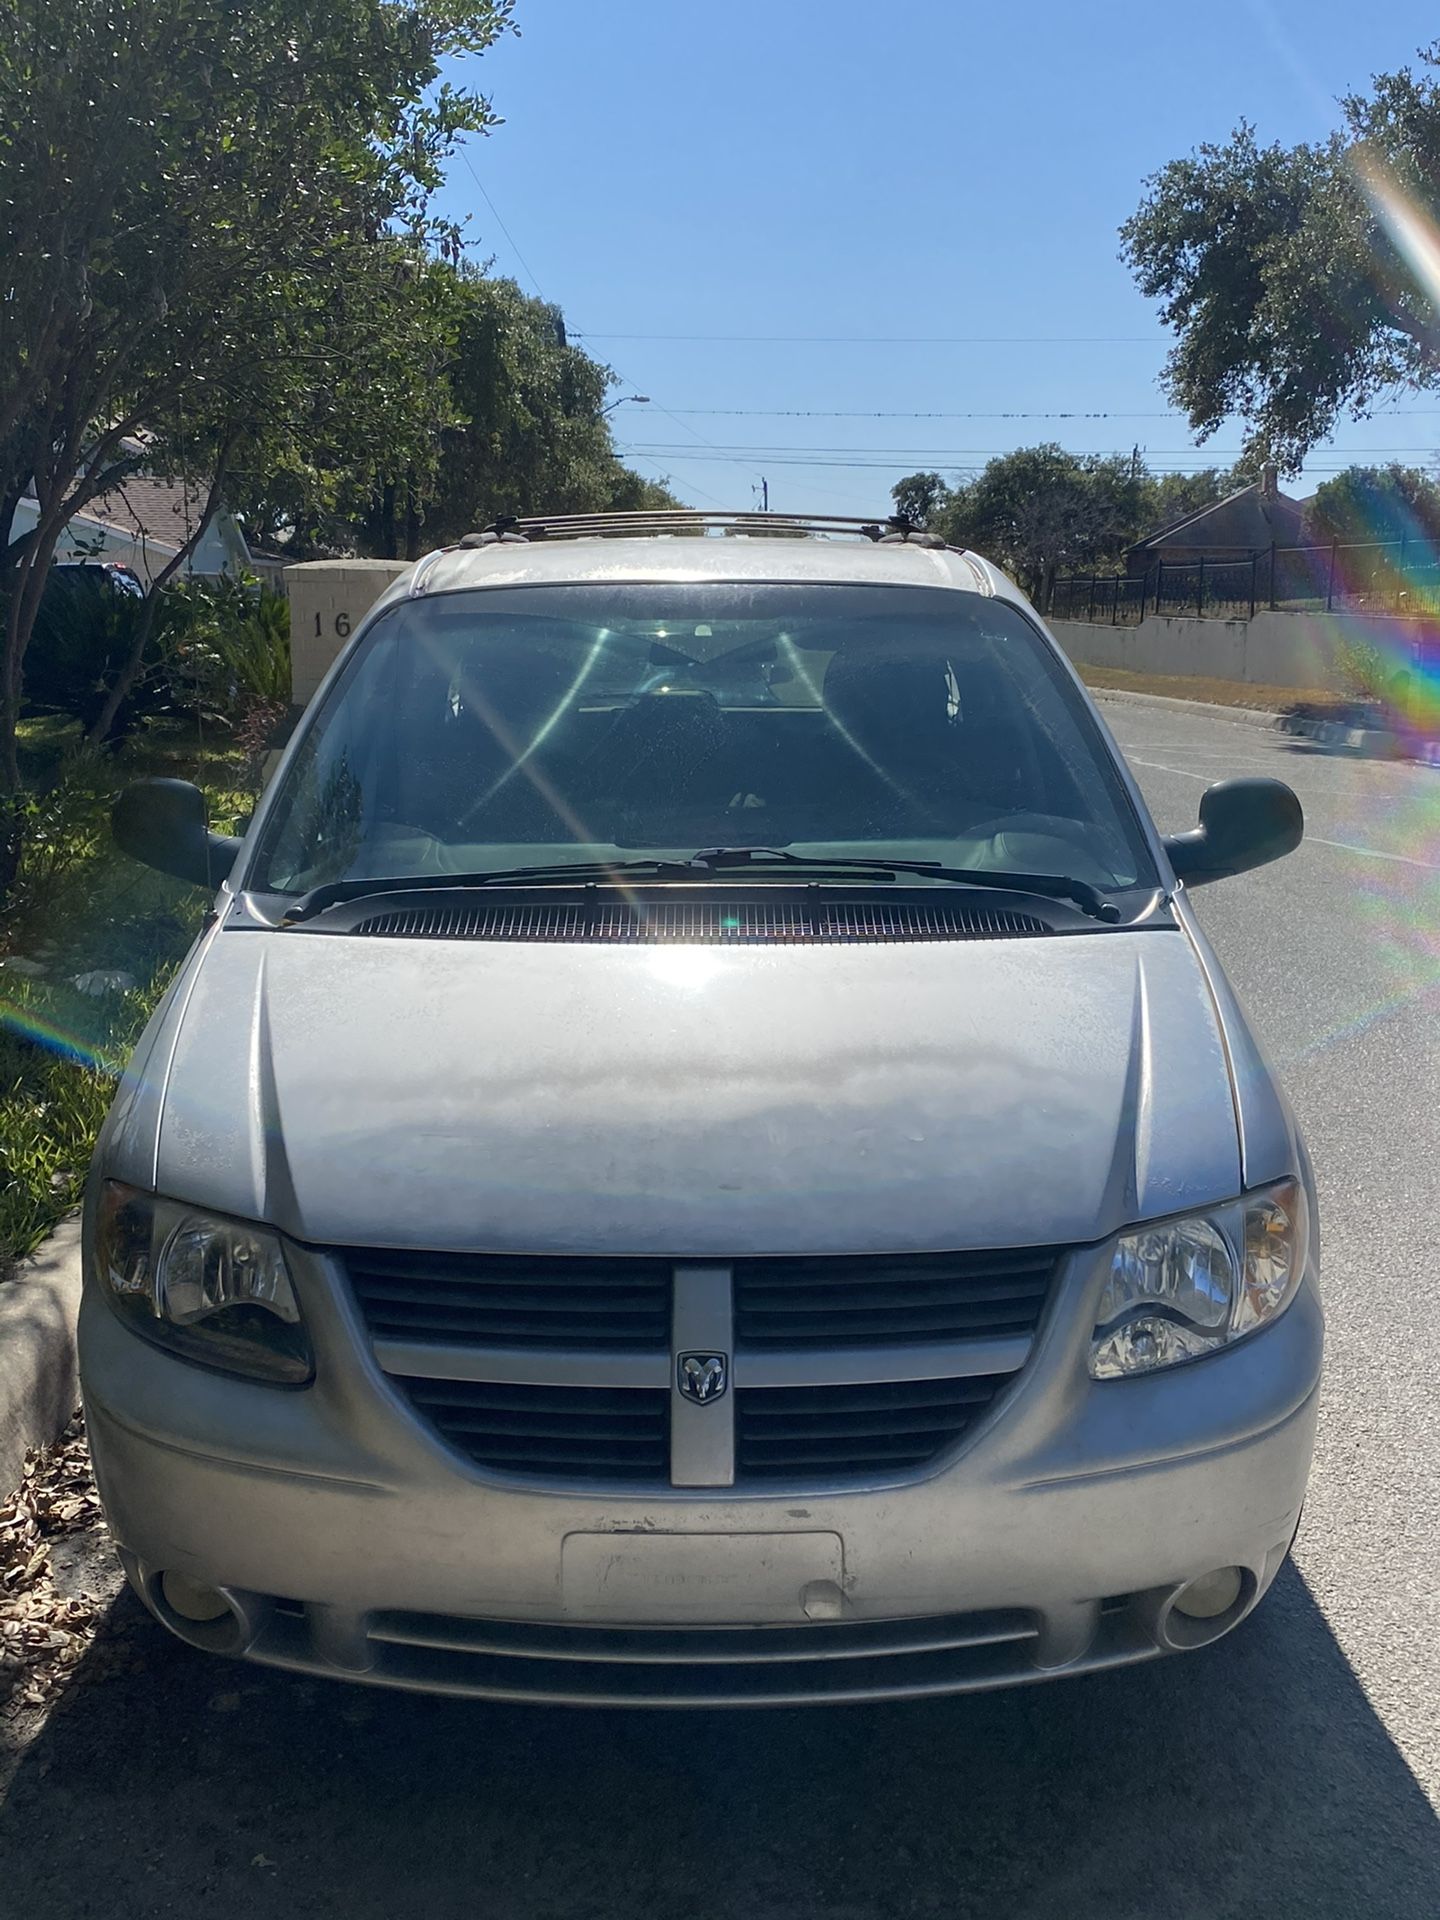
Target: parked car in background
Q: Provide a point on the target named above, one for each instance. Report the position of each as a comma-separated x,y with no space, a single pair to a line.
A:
702,1156
82,636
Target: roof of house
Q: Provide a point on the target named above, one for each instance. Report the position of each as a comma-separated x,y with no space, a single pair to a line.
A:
156,511
1250,519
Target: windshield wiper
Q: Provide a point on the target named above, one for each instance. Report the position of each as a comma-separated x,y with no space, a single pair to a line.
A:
334,892
1053,886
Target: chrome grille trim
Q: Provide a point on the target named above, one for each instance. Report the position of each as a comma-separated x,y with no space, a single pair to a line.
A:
788,1367
525,1366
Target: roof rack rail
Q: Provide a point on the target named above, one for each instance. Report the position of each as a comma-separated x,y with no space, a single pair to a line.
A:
697,521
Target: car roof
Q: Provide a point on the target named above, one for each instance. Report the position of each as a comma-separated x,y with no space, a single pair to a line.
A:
595,559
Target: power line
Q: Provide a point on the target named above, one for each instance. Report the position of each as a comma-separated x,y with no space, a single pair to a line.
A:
893,339
1208,456
480,184
893,463
662,469
683,425
825,413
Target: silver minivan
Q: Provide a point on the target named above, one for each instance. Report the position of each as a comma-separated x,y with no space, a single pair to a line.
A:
701,1156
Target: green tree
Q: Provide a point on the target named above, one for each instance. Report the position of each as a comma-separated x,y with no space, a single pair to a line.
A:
1040,510
1293,277
201,203
526,433
501,414
919,497
1364,504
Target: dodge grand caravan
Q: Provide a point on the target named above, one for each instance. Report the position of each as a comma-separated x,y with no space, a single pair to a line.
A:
701,1155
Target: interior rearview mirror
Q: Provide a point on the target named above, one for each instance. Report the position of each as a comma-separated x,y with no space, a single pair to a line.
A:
163,823
1243,824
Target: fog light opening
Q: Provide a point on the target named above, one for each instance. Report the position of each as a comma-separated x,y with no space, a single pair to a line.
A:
1211,1595
192,1600
216,1619
1206,1607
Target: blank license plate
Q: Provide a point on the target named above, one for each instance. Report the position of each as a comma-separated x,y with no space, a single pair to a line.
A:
716,1578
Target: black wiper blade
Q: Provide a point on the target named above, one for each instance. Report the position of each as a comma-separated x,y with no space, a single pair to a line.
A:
334,892
1053,886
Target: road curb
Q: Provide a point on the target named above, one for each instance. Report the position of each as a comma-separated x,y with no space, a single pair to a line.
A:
1374,743
39,1382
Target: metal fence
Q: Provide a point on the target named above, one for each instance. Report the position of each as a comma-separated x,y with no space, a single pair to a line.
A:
1391,577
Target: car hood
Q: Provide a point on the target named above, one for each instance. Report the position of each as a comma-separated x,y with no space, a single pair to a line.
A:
702,1101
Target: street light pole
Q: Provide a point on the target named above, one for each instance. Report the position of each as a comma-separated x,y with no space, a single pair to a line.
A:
634,399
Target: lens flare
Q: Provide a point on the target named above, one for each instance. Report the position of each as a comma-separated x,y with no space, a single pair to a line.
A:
26,1021
1410,227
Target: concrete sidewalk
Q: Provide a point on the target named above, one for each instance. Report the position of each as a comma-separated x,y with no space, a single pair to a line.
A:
39,1386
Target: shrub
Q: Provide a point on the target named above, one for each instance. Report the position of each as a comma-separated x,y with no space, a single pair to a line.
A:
77,908
1361,670
83,634
227,655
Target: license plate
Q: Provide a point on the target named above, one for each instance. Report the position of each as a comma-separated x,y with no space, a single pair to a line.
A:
718,1579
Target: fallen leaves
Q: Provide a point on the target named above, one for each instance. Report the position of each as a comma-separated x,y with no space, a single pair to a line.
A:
44,1631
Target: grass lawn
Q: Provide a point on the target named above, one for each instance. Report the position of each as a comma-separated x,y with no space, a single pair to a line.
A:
81,907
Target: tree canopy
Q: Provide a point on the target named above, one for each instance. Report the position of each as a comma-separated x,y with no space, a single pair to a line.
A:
206,207
505,416
1040,510
1367,504
220,261
1296,279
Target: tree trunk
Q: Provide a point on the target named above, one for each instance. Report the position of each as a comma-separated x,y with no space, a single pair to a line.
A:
145,625
385,524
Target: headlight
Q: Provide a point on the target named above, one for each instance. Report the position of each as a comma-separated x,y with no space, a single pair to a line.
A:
215,1290
1184,1288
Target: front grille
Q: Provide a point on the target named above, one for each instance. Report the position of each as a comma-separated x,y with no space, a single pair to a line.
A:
852,1302
572,1355
515,1300
600,1433
714,923
851,1431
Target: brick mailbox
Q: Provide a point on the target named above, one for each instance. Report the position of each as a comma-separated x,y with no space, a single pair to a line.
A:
328,600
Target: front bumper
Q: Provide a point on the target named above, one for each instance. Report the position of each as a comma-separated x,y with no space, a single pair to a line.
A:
350,1540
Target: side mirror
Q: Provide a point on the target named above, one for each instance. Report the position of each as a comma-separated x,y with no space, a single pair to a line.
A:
162,823
1243,824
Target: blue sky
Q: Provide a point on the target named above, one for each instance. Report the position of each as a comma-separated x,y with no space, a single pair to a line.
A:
847,175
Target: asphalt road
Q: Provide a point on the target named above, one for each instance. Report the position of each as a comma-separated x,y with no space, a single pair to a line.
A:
1292,1770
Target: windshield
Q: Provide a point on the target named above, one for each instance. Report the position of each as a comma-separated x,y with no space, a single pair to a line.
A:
508,727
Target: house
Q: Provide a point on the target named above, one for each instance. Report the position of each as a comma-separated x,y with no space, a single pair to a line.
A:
143,524
1248,521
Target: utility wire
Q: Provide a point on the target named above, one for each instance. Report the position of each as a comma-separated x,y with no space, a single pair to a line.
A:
1208,456
683,425
893,339
480,184
896,463
824,413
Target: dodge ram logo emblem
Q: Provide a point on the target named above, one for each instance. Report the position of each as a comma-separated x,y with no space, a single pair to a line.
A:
702,1377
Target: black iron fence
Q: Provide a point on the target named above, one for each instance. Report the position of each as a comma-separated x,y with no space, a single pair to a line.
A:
1391,577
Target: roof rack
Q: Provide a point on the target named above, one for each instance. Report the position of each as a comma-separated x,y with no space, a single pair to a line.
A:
698,522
